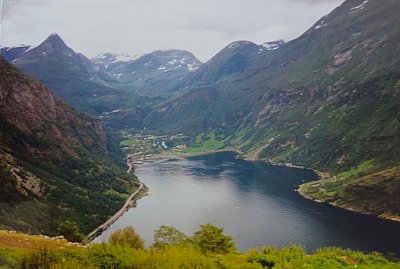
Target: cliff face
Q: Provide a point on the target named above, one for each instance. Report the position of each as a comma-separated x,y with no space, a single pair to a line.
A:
53,161
31,108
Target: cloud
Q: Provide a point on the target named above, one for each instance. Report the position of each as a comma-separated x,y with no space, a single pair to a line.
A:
138,26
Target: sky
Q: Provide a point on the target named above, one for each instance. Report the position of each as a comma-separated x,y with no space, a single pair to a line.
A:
134,27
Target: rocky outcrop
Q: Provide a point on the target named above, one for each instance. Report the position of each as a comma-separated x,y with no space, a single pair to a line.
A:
31,108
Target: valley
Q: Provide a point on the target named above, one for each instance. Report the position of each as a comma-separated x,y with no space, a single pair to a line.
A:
223,141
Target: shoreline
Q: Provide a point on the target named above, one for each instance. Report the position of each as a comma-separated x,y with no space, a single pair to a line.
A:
326,175
130,203
320,176
383,216
354,209
161,157
323,176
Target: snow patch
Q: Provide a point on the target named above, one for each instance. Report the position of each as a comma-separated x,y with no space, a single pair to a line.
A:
101,57
16,47
111,58
178,63
231,46
268,46
192,67
320,26
126,57
29,48
172,62
361,6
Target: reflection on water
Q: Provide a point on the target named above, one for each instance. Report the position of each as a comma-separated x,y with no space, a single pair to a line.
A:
254,202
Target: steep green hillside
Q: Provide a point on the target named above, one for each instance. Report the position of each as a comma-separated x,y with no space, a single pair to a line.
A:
56,164
328,99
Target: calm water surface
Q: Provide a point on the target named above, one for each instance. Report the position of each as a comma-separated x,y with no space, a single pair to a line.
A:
254,202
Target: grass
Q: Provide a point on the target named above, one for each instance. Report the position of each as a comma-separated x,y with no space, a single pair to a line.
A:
27,251
359,170
206,143
374,193
21,241
136,141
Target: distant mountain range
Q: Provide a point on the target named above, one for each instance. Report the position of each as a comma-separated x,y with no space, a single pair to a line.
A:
153,74
71,75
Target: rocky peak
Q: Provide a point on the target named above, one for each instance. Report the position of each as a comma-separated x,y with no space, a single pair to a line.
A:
52,45
54,42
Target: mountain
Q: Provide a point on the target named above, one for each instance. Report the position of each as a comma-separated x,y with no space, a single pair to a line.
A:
327,100
207,102
153,74
229,61
12,53
108,58
74,78
56,163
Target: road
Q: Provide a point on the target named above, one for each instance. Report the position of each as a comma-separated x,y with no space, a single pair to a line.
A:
128,204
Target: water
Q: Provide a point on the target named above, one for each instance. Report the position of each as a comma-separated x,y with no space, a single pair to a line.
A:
254,202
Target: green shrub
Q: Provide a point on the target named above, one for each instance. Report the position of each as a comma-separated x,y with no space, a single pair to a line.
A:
127,237
168,236
211,240
70,231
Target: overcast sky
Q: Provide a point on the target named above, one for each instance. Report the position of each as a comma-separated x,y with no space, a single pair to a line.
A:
203,27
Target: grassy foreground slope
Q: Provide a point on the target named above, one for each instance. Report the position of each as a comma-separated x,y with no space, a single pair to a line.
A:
32,252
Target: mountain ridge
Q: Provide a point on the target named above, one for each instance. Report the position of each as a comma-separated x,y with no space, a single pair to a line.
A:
151,74
74,78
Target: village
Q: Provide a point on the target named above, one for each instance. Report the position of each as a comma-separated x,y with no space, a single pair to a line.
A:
141,147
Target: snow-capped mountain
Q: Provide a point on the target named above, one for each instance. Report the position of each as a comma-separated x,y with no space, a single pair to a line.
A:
274,45
108,58
231,60
151,74
70,75
12,53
